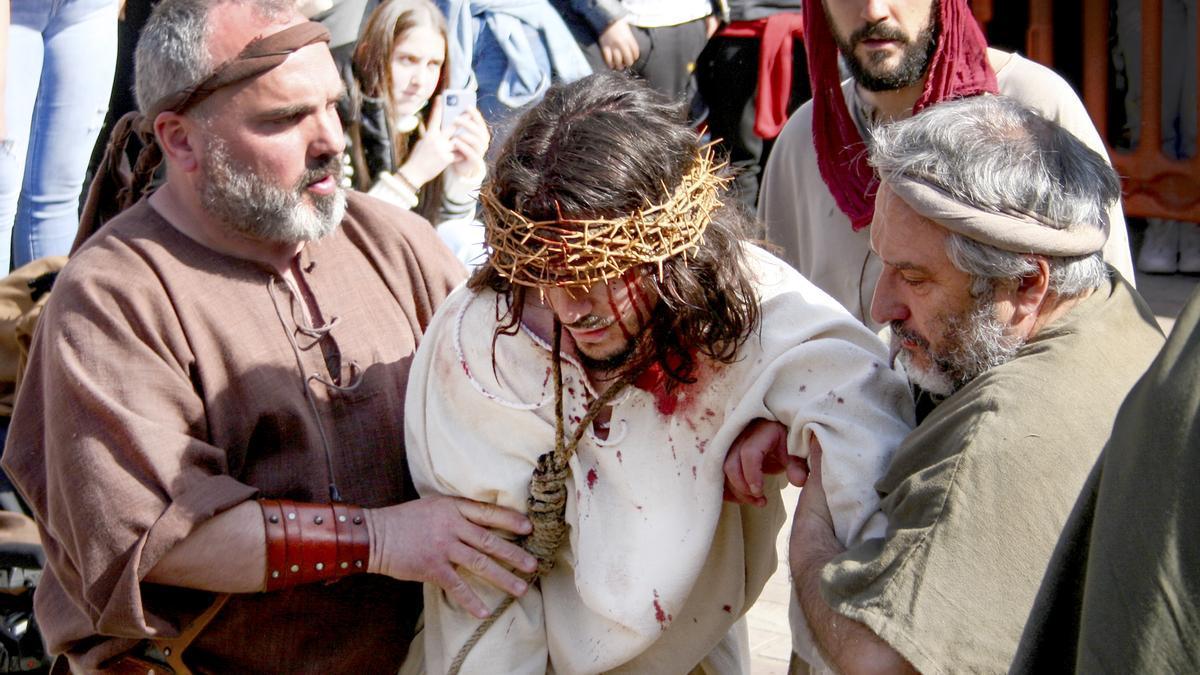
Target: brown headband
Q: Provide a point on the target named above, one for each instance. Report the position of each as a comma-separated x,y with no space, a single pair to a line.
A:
112,189
257,57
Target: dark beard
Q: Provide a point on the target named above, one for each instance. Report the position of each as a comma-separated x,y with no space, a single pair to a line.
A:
608,364
915,60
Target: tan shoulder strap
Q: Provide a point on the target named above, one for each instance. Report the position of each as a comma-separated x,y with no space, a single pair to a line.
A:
173,648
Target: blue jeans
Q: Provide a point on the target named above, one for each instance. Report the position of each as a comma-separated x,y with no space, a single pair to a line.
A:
61,58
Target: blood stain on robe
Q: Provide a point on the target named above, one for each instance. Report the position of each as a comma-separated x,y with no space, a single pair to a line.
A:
661,616
669,400
591,478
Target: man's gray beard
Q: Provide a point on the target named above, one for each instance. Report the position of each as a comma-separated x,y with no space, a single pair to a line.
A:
913,63
973,344
249,205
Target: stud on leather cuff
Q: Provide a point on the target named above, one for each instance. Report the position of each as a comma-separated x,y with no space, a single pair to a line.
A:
313,542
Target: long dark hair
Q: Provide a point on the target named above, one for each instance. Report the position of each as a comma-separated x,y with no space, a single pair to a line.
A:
603,147
387,26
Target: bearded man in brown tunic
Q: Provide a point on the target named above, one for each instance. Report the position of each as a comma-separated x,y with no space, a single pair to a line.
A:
211,429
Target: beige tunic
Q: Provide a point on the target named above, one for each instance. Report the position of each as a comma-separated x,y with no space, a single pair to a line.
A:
657,568
977,495
801,215
167,383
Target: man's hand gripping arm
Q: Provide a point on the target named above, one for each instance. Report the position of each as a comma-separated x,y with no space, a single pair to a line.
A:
847,645
423,540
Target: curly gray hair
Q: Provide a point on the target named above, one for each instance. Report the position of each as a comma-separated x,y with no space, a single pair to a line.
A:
994,154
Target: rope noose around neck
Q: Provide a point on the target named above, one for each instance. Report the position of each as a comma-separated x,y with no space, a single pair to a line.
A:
547,491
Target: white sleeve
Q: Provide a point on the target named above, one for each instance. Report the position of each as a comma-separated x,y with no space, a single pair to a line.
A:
825,375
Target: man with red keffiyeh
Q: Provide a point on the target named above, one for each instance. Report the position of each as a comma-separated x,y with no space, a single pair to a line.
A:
904,55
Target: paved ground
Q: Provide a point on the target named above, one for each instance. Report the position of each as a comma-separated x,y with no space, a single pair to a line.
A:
1167,295
770,638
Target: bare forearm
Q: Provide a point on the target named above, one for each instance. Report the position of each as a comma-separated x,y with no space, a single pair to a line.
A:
847,645
225,554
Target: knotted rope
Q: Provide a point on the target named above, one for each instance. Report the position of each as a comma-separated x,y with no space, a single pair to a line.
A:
547,491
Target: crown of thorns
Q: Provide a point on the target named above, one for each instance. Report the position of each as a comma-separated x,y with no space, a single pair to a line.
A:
581,252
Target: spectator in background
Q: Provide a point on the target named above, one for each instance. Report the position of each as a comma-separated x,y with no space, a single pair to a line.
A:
61,59
657,40
510,51
1170,246
752,75
344,19
398,146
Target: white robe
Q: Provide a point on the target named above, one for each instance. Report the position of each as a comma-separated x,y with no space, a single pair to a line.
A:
657,568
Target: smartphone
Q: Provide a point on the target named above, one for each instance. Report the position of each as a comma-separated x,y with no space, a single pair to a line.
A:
454,103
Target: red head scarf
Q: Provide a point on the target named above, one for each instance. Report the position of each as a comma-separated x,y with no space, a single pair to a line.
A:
959,68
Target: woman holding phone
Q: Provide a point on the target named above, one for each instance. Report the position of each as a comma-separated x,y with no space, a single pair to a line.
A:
410,141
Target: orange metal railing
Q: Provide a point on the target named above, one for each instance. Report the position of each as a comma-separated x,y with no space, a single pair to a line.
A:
1155,185
982,9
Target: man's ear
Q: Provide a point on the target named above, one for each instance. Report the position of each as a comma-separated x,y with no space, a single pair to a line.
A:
178,136
1031,291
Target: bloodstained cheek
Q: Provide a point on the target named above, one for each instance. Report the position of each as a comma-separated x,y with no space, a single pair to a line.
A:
618,315
636,293
638,301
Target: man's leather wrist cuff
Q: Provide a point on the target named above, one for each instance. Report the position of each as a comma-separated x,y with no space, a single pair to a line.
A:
313,542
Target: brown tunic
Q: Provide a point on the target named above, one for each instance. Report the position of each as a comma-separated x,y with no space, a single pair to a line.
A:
167,383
